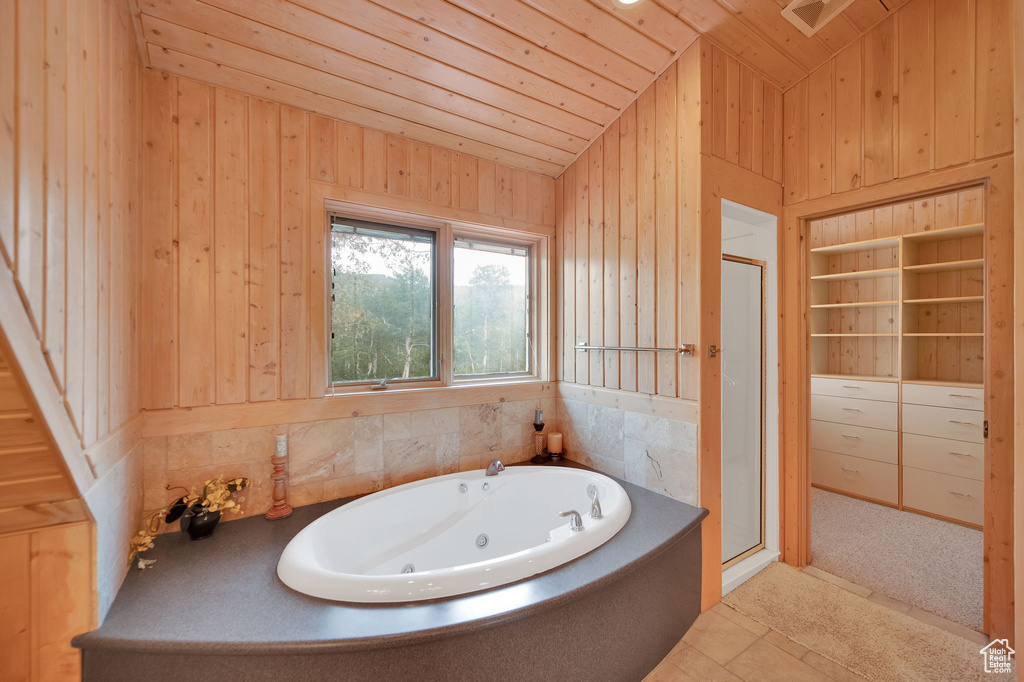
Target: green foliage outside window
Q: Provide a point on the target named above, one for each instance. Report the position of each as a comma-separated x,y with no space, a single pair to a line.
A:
382,309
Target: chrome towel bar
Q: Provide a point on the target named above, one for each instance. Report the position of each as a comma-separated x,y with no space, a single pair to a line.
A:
685,349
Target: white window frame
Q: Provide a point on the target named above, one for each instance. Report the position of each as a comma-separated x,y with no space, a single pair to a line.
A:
539,326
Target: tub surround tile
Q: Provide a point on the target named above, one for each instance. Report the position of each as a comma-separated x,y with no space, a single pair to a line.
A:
343,457
666,433
480,427
447,454
397,426
672,472
242,445
605,427
434,422
636,461
516,412
189,451
368,443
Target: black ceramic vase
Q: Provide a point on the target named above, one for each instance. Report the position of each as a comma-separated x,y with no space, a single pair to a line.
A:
199,523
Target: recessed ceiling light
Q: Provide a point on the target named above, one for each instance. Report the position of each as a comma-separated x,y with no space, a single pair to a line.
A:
626,4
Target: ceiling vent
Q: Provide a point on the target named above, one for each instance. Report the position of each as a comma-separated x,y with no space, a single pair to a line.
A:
811,15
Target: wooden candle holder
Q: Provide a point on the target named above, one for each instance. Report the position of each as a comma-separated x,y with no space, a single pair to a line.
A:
280,509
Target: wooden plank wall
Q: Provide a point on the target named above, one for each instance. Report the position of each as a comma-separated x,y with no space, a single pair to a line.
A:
46,599
228,239
741,114
70,78
928,88
625,269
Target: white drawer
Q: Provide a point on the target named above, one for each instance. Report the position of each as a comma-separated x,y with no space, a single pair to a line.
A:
954,457
944,396
876,444
865,477
944,422
945,495
870,413
853,388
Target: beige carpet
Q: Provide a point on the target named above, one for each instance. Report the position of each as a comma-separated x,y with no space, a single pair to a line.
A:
927,563
873,641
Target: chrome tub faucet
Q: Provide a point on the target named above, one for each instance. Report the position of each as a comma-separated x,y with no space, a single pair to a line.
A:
595,507
576,523
495,467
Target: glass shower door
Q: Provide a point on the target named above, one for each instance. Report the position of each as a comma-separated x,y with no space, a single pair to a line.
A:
742,363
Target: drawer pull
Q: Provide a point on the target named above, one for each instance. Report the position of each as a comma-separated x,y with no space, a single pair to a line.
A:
953,492
960,395
851,409
854,387
847,435
960,454
954,421
852,471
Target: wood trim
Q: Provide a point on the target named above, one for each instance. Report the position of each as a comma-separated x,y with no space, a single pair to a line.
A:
641,403
105,453
997,176
722,180
220,417
19,344
1018,288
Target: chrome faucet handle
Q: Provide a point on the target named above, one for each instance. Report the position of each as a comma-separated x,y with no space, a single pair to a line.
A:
595,507
576,523
495,467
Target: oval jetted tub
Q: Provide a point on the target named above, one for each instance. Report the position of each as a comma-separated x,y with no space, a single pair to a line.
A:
452,535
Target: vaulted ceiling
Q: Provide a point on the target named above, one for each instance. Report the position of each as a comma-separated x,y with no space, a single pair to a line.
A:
526,83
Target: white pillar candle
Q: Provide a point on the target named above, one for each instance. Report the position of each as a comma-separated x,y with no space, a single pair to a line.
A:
555,442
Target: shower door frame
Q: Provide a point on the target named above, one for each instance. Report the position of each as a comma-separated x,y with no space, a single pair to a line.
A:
754,262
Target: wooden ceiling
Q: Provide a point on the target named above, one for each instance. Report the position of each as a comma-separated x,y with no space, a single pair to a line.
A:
527,83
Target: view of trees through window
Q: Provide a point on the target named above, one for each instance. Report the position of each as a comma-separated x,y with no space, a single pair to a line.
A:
382,310
491,309
382,302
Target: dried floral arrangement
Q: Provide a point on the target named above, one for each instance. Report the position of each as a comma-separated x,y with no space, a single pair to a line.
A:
215,497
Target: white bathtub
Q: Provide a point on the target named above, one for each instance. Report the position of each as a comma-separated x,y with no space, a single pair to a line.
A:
433,529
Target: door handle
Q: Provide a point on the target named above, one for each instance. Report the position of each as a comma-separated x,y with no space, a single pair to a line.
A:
714,350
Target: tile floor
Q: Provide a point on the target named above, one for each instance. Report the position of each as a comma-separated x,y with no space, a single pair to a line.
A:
723,645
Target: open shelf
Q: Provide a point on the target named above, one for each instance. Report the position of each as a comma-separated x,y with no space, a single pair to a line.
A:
860,274
959,232
956,265
946,299
826,336
866,245
945,334
857,304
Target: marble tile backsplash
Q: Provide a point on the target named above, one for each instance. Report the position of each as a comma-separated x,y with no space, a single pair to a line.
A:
337,458
655,453
116,502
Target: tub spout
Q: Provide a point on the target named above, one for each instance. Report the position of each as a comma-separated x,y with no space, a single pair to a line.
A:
495,467
595,506
576,523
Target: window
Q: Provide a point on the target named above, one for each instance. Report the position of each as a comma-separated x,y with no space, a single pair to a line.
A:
388,284
382,302
491,308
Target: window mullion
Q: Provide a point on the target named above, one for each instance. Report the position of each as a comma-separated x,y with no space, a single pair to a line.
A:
445,301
